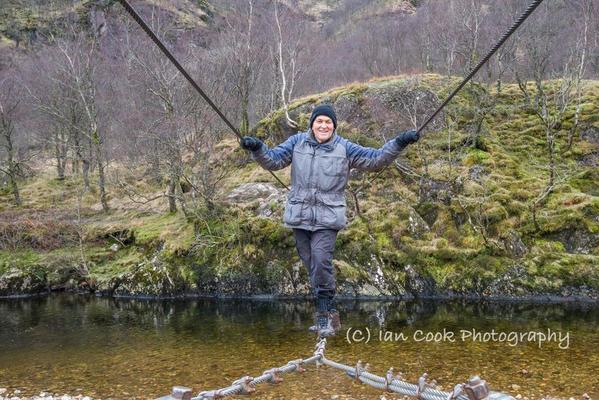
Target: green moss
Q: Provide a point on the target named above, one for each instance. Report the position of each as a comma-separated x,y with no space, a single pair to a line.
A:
495,213
587,182
553,271
349,273
107,266
19,259
476,156
443,274
171,229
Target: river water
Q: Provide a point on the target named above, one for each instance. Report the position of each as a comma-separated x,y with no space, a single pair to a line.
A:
123,348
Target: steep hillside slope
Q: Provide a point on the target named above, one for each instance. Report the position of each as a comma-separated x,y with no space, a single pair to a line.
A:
24,22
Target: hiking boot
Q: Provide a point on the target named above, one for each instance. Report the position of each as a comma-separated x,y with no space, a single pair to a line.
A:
322,307
314,328
335,320
323,322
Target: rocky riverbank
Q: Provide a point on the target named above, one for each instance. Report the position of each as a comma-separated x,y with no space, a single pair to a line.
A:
16,394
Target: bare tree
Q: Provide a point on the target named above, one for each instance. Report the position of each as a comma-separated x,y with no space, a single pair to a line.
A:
447,40
424,38
243,50
549,100
81,63
287,57
471,14
9,103
475,208
580,51
165,129
59,112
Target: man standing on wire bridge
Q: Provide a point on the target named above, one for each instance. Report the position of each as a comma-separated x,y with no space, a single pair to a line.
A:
320,163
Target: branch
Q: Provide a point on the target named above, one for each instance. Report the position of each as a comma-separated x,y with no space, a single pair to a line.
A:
290,121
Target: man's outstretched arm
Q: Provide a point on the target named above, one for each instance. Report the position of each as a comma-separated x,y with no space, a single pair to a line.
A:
369,159
271,159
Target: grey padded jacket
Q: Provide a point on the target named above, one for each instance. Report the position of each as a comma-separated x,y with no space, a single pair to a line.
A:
319,175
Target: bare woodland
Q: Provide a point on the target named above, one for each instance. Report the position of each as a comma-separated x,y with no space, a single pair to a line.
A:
90,97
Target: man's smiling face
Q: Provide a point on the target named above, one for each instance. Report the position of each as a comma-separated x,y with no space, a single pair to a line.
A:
323,128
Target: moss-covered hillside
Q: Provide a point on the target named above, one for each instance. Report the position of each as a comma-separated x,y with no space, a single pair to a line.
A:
453,217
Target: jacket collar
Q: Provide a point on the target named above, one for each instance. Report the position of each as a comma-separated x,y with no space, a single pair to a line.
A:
329,145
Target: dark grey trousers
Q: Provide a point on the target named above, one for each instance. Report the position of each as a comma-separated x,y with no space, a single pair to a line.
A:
316,251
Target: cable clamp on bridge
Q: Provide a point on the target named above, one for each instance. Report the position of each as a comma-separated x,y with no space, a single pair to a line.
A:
245,383
358,370
476,388
457,390
422,385
297,364
389,379
275,375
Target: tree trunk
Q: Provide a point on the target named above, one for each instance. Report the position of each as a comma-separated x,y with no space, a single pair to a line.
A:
172,184
551,154
60,154
12,172
15,190
155,162
182,202
97,140
7,127
102,185
245,104
78,159
85,171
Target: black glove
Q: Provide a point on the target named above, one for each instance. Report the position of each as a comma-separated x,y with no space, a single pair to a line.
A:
251,143
407,137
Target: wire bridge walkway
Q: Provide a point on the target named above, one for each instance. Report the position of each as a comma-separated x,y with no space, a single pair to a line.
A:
474,389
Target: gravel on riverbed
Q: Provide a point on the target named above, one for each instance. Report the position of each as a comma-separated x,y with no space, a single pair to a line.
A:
6,394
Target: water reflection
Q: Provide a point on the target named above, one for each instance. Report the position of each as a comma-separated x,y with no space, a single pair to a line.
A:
134,348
